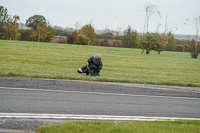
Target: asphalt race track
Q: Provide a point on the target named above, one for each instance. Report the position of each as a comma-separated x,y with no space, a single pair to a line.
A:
25,97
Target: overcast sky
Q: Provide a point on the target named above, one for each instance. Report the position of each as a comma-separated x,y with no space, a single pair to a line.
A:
111,14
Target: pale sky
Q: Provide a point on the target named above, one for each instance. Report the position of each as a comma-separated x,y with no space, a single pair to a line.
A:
111,14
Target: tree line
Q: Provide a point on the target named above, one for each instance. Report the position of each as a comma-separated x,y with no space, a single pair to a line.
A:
41,31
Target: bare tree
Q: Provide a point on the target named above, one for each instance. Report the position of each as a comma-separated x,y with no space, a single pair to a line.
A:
166,26
77,25
195,23
118,30
158,27
105,37
150,10
170,27
91,23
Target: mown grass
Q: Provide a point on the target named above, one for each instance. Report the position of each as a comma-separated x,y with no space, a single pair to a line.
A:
61,61
124,127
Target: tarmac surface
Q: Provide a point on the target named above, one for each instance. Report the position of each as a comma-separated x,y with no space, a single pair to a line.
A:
53,96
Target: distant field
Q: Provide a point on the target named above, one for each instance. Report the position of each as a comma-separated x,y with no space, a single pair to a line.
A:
61,61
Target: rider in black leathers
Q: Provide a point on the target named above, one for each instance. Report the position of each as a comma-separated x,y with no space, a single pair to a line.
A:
93,67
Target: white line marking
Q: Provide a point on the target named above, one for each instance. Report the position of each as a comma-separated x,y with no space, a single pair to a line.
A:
97,93
88,117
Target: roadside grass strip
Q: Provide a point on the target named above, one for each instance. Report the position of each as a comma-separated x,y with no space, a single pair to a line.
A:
123,127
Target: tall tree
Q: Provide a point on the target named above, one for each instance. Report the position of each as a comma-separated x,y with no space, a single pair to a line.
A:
158,43
89,32
41,29
33,21
43,32
195,23
151,41
172,44
190,46
11,29
8,25
82,39
130,38
4,19
169,42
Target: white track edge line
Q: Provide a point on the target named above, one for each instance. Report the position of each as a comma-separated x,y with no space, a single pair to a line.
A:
89,117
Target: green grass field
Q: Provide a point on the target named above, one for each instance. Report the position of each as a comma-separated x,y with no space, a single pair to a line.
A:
124,127
61,61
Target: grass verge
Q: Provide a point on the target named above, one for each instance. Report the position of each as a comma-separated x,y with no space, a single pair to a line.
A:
46,60
124,127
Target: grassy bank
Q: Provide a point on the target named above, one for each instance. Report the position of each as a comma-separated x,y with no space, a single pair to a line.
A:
45,60
124,127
